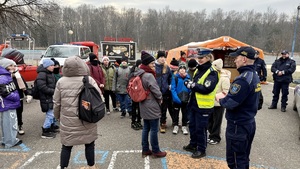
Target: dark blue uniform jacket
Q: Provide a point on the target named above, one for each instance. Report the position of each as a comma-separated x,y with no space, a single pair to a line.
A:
241,102
287,65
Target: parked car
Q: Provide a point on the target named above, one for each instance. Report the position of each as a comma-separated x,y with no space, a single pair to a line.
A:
296,104
61,52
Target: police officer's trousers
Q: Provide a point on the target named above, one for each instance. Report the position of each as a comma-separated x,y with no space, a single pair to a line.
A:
284,87
238,144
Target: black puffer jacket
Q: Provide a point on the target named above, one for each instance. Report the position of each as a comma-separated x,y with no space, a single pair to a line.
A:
46,87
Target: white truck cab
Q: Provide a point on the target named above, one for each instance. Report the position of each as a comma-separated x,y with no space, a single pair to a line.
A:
61,52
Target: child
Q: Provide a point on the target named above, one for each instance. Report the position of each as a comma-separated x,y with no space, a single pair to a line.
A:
10,100
180,95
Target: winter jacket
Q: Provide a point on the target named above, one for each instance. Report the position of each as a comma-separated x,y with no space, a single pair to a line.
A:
73,131
224,83
150,108
97,73
110,72
46,86
163,77
12,100
178,88
287,65
120,80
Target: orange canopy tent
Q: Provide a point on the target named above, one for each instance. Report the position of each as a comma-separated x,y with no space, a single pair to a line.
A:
221,43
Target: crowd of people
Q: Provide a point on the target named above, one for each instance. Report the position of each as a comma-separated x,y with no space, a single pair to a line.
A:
196,85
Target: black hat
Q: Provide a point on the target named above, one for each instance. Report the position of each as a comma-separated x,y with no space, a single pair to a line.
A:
146,58
92,56
192,63
174,62
118,60
284,52
161,54
246,51
124,58
55,62
138,62
182,53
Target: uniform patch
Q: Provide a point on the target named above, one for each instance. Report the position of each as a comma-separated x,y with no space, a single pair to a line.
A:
235,88
207,83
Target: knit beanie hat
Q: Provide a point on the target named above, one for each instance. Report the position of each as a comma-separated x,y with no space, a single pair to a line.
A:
161,54
118,60
218,64
105,57
138,62
92,56
182,66
55,62
182,53
47,63
6,62
192,63
174,64
146,58
124,58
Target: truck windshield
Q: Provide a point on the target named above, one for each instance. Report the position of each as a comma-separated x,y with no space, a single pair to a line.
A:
62,51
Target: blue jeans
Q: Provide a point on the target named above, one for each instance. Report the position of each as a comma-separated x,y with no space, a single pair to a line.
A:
125,102
49,119
9,127
152,127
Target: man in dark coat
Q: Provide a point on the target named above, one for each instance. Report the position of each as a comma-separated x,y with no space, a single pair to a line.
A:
282,69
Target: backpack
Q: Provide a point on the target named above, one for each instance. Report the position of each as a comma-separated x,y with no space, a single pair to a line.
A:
135,89
90,104
35,91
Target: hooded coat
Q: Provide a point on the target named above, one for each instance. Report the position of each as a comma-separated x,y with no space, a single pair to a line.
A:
73,131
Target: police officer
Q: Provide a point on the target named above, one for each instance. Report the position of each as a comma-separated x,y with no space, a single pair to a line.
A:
282,69
201,103
260,67
241,105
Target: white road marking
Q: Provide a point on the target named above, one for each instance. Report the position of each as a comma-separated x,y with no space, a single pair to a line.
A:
34,156
114,157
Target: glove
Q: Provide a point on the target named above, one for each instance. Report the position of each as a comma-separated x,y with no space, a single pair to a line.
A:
189,84
28,98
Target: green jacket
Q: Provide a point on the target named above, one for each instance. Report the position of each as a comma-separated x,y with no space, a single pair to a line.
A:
110,72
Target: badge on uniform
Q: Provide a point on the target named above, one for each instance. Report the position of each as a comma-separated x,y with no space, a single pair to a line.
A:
207,83
235,88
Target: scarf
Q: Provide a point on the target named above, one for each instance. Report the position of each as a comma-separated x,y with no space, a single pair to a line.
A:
147,69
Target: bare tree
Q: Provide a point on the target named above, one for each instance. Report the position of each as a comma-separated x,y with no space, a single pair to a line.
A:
24,11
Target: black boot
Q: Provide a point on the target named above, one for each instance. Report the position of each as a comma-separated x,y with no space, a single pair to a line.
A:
123,114
272,107
47,133
54,128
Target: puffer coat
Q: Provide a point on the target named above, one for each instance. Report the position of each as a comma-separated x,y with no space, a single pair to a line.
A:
46,85
73,131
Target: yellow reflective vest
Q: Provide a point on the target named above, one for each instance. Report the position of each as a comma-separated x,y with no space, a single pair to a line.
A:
206,101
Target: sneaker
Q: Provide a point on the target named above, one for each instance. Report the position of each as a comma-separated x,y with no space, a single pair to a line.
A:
47,133
108,112
159,154
184,130
139,124
115,109
134,126
146,153
208,140
175,129
54,128
198,154
18,143
190,148
21,131
283,109
123,114
212,142
162,128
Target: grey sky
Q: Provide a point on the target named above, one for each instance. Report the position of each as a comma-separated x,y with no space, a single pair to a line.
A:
287,6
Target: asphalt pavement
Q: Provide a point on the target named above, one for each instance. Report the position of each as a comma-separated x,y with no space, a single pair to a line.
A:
276,144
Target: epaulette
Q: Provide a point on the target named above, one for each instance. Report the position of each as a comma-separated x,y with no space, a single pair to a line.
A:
248,76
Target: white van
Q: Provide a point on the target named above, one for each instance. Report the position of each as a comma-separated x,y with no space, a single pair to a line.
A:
61,52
